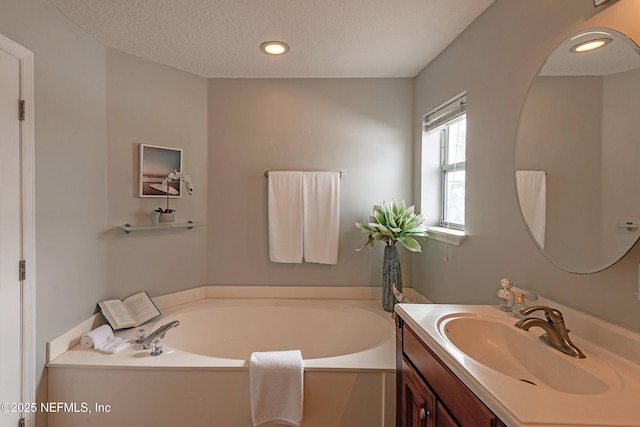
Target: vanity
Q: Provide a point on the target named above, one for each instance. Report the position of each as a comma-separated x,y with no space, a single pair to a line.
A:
469,365
429,392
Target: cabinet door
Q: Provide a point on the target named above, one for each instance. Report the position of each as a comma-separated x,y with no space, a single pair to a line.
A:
465,407
418,403
444,418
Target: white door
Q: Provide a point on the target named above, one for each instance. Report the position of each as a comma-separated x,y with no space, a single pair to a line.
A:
10,241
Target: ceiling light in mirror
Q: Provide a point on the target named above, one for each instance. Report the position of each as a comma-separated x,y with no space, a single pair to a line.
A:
274,48
590,45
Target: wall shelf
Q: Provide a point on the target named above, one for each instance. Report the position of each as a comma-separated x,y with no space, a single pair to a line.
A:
630,225
128,228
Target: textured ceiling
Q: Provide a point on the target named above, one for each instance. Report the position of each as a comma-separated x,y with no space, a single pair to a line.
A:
328,38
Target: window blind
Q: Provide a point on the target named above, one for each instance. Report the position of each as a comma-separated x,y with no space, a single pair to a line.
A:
446,112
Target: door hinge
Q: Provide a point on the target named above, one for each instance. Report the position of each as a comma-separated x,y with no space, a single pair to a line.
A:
21,422
21,110
22,270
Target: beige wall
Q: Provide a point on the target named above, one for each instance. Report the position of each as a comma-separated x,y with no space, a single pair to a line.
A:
148,103
361,127
495,60
70,160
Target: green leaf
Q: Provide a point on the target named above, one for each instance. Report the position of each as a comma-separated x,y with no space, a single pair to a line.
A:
402,220
363,227
387,214
374,226
369,242
391,222
414,222
410,243
417,233
384,230
379,217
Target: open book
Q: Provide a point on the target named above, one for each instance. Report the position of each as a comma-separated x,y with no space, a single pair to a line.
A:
132,312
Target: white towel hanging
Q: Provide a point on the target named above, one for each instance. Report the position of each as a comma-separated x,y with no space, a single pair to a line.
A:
285,217
532,193
304,216
321,216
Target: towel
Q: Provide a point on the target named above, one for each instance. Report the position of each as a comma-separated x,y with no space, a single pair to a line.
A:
304,216
276,384
285,217
102,339
532,193
321,216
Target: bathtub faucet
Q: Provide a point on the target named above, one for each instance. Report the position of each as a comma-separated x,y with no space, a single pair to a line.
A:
158,333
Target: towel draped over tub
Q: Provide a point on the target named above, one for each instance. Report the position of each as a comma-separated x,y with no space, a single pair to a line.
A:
277,388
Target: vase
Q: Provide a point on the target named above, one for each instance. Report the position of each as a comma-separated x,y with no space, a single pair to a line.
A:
166,218
391,274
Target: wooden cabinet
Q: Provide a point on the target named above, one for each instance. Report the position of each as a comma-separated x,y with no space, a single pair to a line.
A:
418,402
429,394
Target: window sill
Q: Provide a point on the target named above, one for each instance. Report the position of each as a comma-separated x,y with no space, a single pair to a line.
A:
446,235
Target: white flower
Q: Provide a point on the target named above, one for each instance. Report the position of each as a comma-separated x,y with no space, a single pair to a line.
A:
179,176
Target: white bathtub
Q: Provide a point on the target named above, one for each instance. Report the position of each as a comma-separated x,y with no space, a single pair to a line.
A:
202,379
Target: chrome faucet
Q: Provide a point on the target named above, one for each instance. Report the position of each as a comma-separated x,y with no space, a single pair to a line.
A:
556,334
158,333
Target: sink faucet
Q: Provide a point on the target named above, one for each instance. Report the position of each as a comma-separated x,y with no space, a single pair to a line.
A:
158,333
556,334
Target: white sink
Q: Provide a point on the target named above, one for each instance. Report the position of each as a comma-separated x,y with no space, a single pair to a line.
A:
497,344
524,381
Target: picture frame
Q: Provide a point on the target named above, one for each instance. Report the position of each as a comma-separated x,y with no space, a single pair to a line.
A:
156,162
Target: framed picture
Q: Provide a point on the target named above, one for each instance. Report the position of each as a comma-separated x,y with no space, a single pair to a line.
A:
155,164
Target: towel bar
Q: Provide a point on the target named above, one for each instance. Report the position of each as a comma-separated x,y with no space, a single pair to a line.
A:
266,173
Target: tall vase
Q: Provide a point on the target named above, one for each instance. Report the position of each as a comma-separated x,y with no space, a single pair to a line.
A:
391,274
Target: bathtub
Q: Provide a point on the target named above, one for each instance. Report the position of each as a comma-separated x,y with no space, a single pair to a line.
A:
202,378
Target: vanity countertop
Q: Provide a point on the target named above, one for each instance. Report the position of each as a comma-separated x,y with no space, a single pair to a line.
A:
520,404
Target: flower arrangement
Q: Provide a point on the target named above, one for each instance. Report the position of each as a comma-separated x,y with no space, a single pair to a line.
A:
179,177
392,223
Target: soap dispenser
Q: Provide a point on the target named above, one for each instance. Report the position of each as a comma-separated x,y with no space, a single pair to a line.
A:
518,307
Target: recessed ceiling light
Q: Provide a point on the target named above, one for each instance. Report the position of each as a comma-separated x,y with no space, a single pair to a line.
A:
590,45
274,48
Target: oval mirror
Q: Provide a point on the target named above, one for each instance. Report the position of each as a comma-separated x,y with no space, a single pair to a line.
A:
577,153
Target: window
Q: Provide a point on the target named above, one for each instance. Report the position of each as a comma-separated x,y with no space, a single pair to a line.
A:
444,141
452,171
